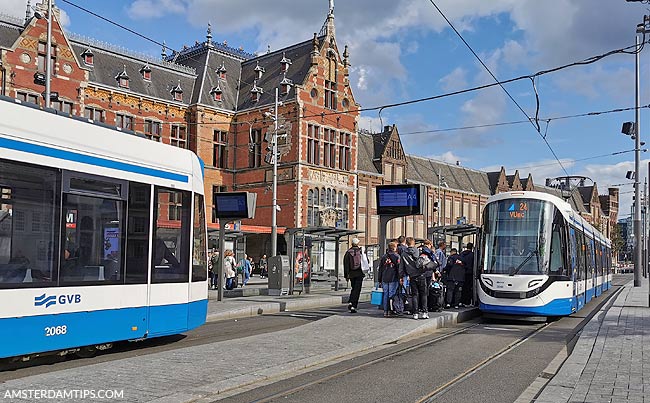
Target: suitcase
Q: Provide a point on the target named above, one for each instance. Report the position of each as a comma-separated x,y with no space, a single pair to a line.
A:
377,297
435,300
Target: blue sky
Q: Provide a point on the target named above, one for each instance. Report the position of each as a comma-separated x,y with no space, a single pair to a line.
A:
402,50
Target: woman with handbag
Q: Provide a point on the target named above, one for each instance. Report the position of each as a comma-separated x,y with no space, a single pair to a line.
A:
229,269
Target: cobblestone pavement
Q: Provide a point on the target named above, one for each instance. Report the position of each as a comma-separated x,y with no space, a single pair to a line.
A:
611,361
202,373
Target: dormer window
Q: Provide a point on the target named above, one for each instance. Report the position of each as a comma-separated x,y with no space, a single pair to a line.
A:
177,92
216,93
285,85
256,92
88,57
284,63
221,71
123,79
259,71
146,72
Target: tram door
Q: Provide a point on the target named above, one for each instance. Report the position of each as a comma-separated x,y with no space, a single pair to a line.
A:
170,286
576,274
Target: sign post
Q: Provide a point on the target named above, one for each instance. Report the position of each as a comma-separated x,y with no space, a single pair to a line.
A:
394,201
230,207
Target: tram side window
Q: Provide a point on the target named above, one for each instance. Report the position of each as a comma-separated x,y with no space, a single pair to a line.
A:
590,258
573,253
28,229
171,243
580,275
557,264
137,244
94,235
599,259
199,246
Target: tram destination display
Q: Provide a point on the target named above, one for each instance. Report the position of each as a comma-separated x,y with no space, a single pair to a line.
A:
235,205
400,200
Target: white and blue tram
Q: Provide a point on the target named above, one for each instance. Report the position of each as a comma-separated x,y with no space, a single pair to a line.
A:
102,235
539,257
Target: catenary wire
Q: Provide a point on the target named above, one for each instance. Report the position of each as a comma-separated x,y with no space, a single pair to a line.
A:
534,123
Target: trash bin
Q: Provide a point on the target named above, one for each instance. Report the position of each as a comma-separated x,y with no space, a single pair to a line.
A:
279,275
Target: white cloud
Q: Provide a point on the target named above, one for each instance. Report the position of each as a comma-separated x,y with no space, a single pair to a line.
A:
151,9
370,124
14,8
448,157
455,80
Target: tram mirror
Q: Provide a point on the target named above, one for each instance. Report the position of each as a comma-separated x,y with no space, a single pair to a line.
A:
235,205
401,200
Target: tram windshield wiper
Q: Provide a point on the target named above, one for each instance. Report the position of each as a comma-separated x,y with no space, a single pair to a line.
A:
526,260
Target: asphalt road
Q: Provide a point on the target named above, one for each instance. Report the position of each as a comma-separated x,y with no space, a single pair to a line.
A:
459,366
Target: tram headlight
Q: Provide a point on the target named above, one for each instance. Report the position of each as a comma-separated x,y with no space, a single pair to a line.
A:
535,282
488,281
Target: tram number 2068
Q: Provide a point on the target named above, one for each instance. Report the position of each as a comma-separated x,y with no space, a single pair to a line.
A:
55,330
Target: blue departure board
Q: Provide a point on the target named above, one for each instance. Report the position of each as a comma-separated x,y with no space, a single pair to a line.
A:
399,200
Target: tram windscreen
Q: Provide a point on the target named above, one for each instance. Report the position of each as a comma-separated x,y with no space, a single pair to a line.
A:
517,236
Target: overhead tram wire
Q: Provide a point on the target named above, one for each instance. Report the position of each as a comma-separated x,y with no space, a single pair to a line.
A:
536,122
571,160
517,122
589,60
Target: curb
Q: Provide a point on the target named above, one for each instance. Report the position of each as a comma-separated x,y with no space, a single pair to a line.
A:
261,308
288,370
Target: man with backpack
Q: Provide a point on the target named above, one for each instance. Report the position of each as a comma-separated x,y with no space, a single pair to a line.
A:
352,271
388,276
409,267
455,271
467,256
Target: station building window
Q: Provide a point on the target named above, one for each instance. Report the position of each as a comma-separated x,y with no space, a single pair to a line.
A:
95,114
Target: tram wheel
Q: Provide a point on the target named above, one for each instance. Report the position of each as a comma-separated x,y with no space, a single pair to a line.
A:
87,352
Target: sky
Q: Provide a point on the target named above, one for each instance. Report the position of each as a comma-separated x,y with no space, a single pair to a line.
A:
404,50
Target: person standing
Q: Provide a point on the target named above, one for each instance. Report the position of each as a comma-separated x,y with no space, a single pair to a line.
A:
229,269
264,267
214,259
388,275
467,256
245,265
408,267
441,253
455,279
352,272
426,249
401,245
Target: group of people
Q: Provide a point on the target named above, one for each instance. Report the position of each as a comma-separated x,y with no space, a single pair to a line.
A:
410,272
233,269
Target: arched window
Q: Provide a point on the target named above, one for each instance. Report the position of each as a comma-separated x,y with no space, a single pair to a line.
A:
329,198
345,211
310,208
322,197
316,197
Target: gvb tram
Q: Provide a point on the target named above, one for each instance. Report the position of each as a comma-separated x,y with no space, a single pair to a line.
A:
539,257
102,235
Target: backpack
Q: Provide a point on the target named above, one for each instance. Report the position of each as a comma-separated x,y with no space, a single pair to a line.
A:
386,262
356,258
399,300
425,263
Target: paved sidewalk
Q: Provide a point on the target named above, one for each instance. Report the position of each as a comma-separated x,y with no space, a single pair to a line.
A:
611,361
207,372
253,305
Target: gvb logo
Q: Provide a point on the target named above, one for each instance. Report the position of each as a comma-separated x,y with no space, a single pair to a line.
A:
45,299
63,299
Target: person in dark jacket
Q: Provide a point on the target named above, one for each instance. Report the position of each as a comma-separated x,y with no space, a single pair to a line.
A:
455,278
401,245
388,275
467,256
353,273
408,267
426,250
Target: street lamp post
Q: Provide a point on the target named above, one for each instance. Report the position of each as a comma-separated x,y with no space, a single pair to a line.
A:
637,160
274,213
48,55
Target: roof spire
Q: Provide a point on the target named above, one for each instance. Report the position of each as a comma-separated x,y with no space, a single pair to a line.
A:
164,51
329,23
209,35
28,13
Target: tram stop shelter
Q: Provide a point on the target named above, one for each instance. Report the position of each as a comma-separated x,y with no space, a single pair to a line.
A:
459,232
307,247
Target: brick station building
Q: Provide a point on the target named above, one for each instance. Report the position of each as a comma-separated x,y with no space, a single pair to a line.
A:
218,102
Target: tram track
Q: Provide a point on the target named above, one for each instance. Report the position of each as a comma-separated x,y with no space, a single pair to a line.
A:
366,364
